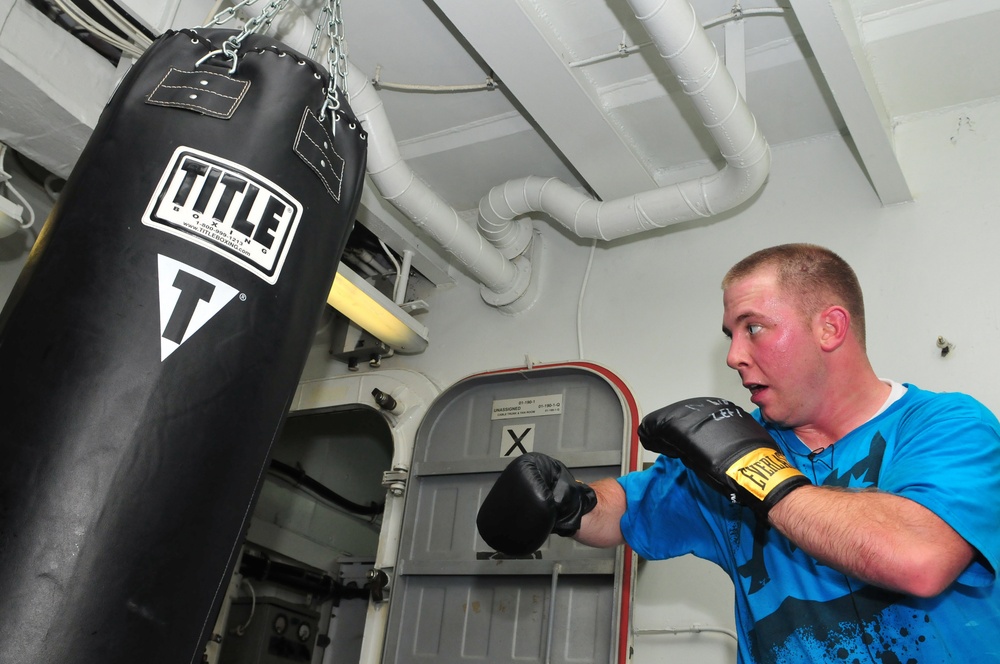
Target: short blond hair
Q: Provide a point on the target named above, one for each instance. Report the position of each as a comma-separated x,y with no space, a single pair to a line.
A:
815,276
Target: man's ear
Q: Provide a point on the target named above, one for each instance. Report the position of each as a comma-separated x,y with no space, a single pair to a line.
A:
834,324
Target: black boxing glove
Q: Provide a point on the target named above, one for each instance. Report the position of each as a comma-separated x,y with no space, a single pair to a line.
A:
534,497
726,447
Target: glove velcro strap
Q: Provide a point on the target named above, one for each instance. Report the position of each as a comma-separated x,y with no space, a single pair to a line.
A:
572,508
761,471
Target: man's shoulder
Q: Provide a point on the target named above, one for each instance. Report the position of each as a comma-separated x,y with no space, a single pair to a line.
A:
918,402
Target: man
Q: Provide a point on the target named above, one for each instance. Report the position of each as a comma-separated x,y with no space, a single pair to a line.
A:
858,518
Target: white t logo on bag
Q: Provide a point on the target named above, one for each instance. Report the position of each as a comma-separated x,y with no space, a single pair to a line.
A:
188,299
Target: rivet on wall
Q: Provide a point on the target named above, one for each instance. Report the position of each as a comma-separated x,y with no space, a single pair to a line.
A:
945,346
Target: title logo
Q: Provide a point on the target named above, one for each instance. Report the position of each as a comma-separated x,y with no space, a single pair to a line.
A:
226,208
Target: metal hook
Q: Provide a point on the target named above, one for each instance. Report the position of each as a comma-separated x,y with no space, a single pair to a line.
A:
233,56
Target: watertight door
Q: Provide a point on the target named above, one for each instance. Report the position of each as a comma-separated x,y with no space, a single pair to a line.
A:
454,599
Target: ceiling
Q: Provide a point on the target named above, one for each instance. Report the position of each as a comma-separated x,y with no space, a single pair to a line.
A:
621,125
572,89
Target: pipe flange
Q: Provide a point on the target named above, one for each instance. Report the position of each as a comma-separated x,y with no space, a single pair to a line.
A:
522,279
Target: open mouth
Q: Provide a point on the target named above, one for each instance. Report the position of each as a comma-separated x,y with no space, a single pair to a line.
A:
755,390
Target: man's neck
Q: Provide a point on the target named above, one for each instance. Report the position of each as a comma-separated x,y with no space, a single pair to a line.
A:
849,406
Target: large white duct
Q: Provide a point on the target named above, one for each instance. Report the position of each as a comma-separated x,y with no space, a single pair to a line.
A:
503,280
692,57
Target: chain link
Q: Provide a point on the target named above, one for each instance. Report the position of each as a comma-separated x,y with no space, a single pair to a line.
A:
226,14
259,23
267,14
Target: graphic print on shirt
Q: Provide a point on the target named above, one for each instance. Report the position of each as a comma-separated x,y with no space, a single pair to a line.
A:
756,569
865,626
864,473
855,627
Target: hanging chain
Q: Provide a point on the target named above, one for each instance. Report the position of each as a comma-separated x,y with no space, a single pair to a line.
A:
226,14
259,23
265,17
331,22
337,55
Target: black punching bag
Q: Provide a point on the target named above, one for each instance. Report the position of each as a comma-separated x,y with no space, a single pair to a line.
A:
153,342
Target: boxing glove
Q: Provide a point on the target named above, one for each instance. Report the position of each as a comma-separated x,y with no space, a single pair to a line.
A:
726,447
534,497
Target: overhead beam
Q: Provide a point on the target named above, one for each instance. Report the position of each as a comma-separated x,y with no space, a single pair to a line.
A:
833,35
567,112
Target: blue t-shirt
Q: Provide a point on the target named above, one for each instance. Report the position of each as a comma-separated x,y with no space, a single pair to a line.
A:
940,450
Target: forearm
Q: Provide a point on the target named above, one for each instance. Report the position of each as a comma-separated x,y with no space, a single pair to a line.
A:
873,536
602,526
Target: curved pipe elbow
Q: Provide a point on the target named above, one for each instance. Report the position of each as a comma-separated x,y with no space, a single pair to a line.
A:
609,220
696,64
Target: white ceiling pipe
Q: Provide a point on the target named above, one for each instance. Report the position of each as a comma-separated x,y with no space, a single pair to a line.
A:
503,281
691,55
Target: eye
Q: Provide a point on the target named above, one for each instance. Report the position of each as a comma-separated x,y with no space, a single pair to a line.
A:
754,328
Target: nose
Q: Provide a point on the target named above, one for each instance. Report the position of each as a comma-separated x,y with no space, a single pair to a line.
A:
736,357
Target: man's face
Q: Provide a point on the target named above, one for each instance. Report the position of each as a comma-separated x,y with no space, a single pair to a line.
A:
774,349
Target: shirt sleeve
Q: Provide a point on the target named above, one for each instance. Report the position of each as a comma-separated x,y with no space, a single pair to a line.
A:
670,512
947,459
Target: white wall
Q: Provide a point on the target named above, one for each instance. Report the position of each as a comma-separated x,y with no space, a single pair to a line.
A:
652,310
